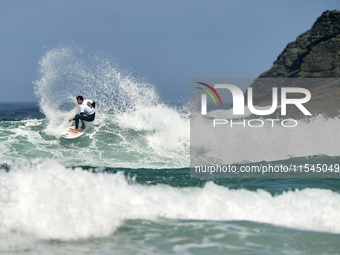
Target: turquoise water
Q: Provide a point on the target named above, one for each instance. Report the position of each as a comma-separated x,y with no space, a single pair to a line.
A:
52,201
125,187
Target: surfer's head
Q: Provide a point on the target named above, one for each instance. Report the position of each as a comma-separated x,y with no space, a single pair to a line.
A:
80,99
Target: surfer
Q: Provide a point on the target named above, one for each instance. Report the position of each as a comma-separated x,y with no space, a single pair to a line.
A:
87,112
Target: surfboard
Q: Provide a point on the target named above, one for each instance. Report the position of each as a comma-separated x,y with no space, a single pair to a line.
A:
71,135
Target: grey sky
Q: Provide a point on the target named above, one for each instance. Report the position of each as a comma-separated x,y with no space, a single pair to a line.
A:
165,42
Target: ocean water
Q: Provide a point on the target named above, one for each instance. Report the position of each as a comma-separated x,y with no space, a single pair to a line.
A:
125,187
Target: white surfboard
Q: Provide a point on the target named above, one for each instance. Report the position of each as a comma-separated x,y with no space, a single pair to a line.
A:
71,135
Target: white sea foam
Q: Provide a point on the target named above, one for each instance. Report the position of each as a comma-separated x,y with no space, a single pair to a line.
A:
160,132
43,199
66,72
167,132
158,136
134,128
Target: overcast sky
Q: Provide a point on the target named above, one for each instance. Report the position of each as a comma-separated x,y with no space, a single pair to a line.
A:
166,42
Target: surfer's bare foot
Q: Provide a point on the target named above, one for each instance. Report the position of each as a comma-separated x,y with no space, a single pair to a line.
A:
74,130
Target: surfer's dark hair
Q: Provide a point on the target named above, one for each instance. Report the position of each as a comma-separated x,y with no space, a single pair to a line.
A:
80,98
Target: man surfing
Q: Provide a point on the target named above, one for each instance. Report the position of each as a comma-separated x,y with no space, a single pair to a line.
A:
87,112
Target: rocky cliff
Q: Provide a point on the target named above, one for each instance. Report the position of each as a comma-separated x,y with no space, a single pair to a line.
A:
314,54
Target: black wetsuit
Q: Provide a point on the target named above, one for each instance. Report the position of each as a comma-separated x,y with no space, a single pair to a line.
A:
87,112
83,116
